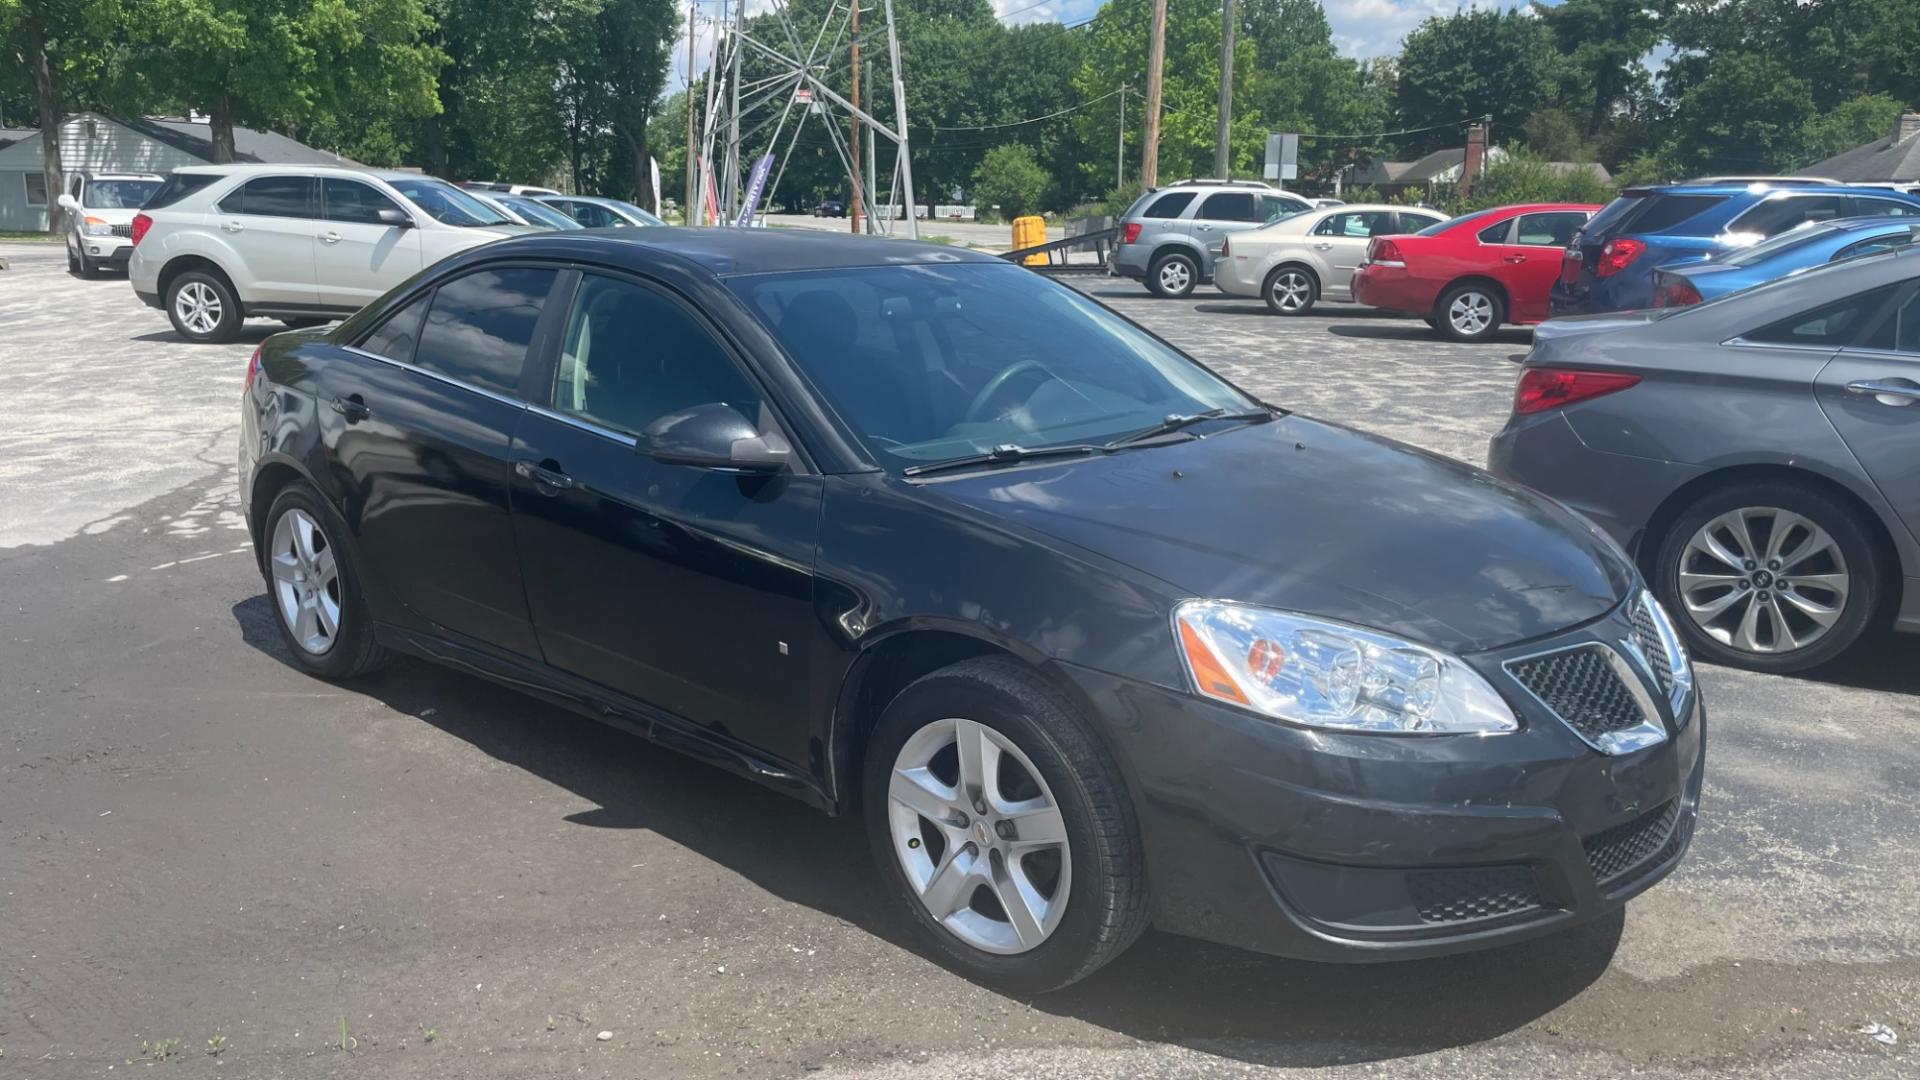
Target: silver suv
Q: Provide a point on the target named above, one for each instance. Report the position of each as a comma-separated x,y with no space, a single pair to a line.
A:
1170,236
100,209
304,244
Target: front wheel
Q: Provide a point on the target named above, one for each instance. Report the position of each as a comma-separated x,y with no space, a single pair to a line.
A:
1002,825
1769,576
1469,312
1173,275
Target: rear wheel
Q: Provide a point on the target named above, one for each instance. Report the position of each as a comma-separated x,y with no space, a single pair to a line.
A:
314,584
1002,825
202,307
1769,576
1469,312
1173,275
1290,290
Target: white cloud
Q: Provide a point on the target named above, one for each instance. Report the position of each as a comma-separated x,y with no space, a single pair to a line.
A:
1370,28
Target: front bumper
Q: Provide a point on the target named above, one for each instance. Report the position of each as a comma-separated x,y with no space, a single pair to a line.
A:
1327,846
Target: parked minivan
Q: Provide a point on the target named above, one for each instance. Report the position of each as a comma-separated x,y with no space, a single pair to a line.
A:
305,244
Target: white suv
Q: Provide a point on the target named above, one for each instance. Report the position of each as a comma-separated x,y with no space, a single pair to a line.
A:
100,209
305,244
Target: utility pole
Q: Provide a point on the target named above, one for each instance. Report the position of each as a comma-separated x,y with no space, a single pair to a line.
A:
853,207
1120,155
1222,161
873,169
693,162
904,162
1156,68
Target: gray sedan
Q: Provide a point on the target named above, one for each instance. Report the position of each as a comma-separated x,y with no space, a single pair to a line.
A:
1759,454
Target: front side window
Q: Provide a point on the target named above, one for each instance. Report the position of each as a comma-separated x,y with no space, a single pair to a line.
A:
397,336
631,356
1830,326
479,326
354,203
1169,205
447,204
272,196
1549,229
1273,208
1229,206
36,188
119,194
1410,222
927,363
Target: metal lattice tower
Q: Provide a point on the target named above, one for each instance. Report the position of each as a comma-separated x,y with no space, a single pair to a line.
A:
747,121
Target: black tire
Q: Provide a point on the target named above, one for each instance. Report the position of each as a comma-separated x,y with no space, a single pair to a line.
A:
1300,278
89,269
1181,275
1494,304
354,651
228,323
1107,902
1864,562
73,261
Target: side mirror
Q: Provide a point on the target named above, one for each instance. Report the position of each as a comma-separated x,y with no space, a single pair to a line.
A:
68,202
714,436
397,218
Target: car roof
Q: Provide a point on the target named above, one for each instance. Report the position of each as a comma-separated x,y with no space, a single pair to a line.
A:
598,200
1755,188
726,252
251,169
89,174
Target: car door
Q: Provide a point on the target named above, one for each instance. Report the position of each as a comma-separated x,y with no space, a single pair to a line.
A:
357,256
1340,241
269,223
1871,392
1530,259
688,588
419,417
1222,214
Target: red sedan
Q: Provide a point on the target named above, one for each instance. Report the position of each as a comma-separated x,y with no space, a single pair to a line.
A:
1470,275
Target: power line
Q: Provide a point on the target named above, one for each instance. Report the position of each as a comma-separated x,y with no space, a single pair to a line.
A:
1024,10
1029,120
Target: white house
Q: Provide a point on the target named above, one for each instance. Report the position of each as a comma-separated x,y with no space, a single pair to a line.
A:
99,143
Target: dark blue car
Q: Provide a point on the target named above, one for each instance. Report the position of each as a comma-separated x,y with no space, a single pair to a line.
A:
1610,264
1691,281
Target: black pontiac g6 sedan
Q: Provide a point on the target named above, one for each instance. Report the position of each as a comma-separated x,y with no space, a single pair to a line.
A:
1092,638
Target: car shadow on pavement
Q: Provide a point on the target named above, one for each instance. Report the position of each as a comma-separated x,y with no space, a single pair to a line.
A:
1885,663
248,334
1415,331
1210,998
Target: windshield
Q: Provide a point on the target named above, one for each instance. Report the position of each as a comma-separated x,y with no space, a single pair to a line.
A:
1442,226
931,362
118,194
447,204
538,213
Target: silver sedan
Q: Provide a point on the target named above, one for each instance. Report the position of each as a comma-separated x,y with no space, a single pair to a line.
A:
1310,256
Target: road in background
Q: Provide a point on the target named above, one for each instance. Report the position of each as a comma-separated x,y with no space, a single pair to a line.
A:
197,840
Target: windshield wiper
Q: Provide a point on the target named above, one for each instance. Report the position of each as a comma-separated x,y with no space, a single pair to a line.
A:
1003,454
1177,421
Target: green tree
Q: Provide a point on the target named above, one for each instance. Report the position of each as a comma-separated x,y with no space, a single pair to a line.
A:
1472,64
1848,125
1605,41
1009,179
1747,115
54,45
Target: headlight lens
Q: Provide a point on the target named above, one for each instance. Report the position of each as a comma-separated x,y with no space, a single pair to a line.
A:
1330,675
98,227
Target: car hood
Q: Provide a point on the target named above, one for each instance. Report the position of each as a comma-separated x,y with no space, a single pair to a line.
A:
1312,517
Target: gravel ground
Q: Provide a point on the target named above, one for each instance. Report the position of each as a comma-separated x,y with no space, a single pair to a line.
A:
196,840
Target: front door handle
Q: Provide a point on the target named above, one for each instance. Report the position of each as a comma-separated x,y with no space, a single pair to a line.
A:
546,481
1896,392
232,226
329,237
353,407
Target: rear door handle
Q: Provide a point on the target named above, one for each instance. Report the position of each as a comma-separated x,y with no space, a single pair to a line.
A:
546,481
1323,246
352,407
1515,258
232,226
329,237
1896,392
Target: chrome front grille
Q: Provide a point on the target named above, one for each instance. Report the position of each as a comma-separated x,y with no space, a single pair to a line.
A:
123,230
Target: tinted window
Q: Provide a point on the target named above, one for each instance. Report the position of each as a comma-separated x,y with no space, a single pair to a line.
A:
354,203
119,194
396,337
1439,227
1778,215
1906,326
1169,205
177,187
593,217
1411,222
538,213
1548,230
631,356
1657,213
1229,206
1357,224
1497,234
272,196
1875,246
1834,325
1273,207
1871,207
448,204
479,326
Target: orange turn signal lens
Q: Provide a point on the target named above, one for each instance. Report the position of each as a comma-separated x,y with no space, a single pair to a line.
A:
1209,674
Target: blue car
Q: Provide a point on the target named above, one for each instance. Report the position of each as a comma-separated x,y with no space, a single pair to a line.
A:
1610,264
1691,281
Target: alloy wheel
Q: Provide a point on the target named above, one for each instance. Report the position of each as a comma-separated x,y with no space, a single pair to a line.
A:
979,836
198,306
1470,313
1291,290
306,581
1174,276
1762,579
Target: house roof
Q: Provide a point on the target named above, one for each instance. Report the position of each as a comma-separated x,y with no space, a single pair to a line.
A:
261,147
9,136
1884,158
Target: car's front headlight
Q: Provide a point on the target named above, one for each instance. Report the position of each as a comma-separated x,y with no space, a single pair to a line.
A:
98,227
1331,675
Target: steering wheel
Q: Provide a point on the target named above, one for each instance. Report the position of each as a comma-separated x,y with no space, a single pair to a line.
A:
977,409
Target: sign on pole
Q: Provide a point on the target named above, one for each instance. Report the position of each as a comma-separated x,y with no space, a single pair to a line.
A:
1283,157
653,167
756,185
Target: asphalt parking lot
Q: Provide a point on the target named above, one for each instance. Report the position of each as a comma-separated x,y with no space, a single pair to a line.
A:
423,875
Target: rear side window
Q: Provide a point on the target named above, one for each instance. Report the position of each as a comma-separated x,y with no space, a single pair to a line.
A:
272,196
1651,212
1496,234
396,337
1836,324
1170,205
177,187
1775,216
1876,246
1548,230
479,326
1229,206
1357,224
1871,207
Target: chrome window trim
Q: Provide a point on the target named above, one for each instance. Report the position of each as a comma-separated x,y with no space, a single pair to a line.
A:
1648,732
587,426
505,399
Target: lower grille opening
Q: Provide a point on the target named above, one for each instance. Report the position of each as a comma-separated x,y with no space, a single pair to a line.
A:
1622,853
1449,896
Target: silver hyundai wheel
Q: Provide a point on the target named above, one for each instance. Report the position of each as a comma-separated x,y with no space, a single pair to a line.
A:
1763,580
198,307
979,836
1470,313
306,581
1175,276
1292,290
